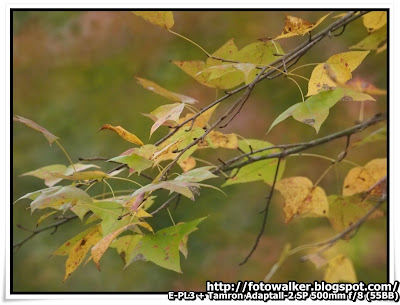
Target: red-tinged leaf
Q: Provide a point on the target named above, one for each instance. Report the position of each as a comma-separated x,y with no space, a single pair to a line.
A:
49,136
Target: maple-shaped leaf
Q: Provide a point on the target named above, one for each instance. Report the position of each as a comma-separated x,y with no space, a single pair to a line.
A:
336,70
302,199
126,244
196,175
49,173
124,134
187,164
162,248
165,115
149,85
70,195
135,162
194,68
314,110
164,19
374,41
49,136
340,269
295,26
258,171
101,247
345,211
182,187
78,251
374,20
361,179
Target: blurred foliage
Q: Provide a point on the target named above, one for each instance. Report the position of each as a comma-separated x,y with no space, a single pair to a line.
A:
73,72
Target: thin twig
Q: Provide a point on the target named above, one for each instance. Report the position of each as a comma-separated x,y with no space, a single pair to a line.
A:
269,197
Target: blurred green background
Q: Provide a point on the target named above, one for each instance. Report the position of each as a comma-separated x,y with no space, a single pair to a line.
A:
73,72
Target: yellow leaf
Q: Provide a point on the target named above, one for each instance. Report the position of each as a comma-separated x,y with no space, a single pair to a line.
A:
43,217
295,26
202,120
374,20
187,164
340,269
142,214
126,135
149,85
78,252
361,179
101,247
164,19
217,139
382,48
88,175
337,69
302,199
166,115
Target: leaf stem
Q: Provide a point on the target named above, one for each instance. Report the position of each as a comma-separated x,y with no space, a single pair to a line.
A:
66,154
305,65
112,191
191,41
170,216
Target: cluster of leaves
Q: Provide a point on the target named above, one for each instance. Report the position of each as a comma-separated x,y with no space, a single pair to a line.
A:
120,222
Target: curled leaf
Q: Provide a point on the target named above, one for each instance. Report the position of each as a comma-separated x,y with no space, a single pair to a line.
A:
49,136
295,26
166,115
126,135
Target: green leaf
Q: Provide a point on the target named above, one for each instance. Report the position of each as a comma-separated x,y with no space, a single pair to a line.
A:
314,110
181,187
109,212
378,135
52,174
196,175
125,246
345,211
49,136
350,95
36,194
43,217
67,194
134,162
373,41
195,67
162,248
164,19
258,171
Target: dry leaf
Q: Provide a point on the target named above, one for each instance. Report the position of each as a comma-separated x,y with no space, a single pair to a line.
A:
49,136
301,198
126,135
202,120
363,86
295,26
164,19
361,179
340,269
217,139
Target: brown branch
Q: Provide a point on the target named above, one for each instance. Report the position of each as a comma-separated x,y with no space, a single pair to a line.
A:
269,197
35,232
296,148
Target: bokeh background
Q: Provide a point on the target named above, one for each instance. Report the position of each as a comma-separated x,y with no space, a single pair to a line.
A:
73,72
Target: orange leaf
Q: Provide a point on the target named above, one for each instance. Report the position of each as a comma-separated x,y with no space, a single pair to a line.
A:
126,135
